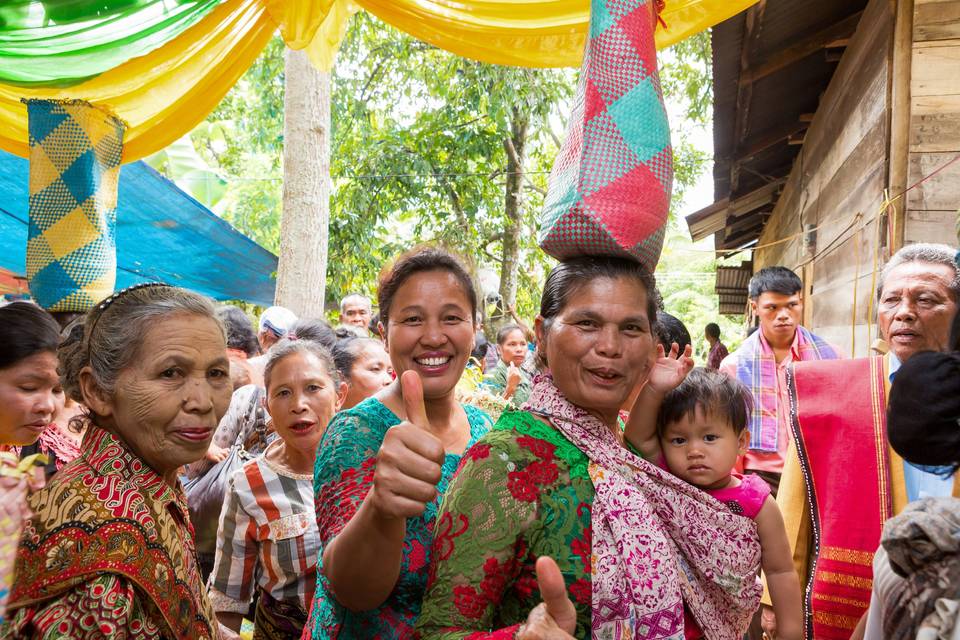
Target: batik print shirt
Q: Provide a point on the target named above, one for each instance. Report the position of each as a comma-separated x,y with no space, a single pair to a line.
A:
343,476
268,538
108,554
522,491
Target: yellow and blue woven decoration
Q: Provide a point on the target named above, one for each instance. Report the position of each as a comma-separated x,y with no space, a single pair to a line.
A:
75,153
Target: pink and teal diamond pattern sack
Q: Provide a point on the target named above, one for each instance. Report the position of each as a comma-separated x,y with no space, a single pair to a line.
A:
609,191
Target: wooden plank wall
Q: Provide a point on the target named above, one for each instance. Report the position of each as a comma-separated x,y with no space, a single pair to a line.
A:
837,184
935,122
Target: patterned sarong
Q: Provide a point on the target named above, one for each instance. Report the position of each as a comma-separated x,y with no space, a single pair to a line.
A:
658,542
277,620
757,368
838,416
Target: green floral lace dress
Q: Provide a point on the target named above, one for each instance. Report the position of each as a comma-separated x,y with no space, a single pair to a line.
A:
343,475
521,492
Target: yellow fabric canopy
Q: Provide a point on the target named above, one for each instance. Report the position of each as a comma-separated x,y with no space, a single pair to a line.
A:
164,94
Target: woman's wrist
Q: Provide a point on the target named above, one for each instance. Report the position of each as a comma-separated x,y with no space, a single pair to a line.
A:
652,395
376,521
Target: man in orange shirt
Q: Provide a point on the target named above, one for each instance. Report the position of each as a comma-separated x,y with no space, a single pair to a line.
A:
761,363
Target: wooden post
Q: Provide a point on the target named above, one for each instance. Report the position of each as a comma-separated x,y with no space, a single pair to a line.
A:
900,109
304,228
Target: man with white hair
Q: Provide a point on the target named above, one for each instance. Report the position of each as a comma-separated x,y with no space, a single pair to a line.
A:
841,480
275,324
356,311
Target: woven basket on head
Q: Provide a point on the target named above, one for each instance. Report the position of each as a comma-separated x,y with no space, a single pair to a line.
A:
609,191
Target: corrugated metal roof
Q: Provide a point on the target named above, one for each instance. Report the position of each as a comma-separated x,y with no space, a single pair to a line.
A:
771,64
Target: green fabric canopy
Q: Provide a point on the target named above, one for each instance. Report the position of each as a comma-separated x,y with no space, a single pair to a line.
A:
64,42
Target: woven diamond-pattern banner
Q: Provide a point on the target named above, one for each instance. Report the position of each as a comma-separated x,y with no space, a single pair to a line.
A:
609,191
75,153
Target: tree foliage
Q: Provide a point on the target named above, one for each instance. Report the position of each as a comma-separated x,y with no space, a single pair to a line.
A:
419,155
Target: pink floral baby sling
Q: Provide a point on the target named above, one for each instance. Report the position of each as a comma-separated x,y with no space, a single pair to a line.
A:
657,542
609,191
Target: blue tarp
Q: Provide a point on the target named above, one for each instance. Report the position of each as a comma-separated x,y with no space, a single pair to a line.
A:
162,235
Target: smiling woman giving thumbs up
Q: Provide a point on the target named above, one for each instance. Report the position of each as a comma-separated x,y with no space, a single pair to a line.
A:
384,464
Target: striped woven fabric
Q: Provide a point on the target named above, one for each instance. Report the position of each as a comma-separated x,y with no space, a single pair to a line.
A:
74,170
609,191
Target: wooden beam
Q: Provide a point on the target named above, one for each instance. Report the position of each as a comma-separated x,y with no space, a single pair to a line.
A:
737,240
748,222
708,220
751,35
768,139
900,107
713,219
756,198
808,46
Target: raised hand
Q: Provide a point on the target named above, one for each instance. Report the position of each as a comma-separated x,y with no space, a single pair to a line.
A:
671,369
513,381
555,618
410,460
513,375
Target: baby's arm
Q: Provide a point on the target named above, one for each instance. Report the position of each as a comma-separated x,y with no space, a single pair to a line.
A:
668,371
641,429
782,581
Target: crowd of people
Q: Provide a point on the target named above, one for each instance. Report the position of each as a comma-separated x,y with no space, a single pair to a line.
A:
169,469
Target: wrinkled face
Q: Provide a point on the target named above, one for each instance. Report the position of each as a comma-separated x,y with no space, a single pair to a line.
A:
916,308
301,400
168,401
514,348
30,395
431,330
779,314
702,449
600,346
357,314
371,372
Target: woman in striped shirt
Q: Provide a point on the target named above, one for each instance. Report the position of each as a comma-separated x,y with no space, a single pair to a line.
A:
268,538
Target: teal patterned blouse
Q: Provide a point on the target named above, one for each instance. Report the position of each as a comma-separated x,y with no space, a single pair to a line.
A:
342,477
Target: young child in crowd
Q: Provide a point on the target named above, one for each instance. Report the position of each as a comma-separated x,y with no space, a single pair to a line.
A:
698,434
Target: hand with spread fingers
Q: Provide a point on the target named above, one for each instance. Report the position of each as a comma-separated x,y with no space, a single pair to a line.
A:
670,369
555,618
410,460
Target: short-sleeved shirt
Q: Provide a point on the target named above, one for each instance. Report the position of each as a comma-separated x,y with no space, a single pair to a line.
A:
772,461
343,476
717,353
267,538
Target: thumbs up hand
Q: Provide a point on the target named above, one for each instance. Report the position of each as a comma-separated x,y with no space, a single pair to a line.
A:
410,460
555,618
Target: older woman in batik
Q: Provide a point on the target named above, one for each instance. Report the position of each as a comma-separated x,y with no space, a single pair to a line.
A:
108,552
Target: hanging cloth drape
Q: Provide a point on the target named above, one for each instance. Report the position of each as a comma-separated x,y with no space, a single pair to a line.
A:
74,169
188,58
67,42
